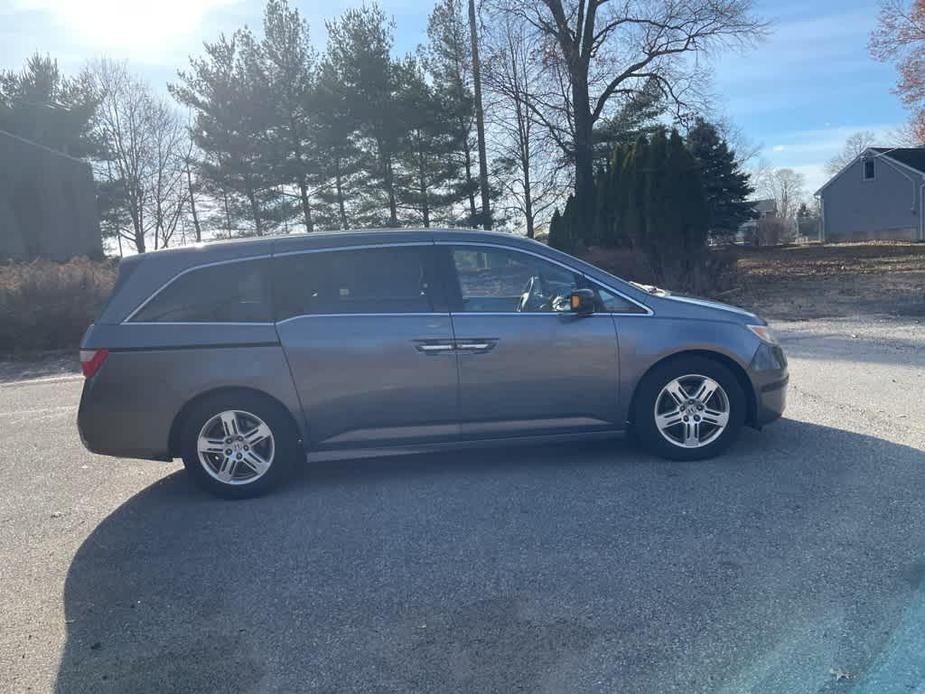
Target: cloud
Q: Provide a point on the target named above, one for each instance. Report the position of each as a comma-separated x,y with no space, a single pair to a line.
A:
808,151
139,26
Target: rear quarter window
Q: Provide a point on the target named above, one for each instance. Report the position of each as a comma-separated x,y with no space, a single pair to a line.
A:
233,292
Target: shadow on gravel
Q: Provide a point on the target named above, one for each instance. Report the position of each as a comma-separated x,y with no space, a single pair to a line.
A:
566,568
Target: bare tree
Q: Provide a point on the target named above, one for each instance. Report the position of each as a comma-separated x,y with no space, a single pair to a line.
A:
143,164
788,190
855,145
479,117
599,52
169,193
532,180
900,38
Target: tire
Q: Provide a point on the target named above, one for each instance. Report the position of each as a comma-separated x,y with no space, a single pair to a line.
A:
658,396
258,462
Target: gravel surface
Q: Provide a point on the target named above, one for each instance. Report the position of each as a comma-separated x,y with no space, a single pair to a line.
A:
795,563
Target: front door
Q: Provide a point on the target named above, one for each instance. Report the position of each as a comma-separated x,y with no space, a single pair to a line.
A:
369,345
526,368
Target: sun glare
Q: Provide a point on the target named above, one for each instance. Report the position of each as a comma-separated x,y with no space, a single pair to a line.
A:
126,24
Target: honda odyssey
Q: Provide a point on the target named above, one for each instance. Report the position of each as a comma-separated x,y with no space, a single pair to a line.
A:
244,358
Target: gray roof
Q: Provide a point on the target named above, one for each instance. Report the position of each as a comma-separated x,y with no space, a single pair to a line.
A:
910,156
765,206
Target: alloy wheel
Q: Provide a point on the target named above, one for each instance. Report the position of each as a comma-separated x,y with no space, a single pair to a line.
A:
236,447
692,411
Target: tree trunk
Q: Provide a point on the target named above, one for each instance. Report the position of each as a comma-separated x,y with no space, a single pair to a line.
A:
192,205
422,187
389,181
470,189
340,195
479,117
306,206
523,135
584,153
227,212
528,201
138,224
255,210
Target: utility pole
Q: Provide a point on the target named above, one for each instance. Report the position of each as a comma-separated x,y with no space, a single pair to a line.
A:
479,117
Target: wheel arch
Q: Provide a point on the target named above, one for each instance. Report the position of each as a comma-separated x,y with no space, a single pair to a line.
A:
737,370
176,426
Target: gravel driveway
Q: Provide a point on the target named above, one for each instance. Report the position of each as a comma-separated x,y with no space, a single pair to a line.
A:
795,563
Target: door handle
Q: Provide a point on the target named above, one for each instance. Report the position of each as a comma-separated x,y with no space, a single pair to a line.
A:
476,346
434,347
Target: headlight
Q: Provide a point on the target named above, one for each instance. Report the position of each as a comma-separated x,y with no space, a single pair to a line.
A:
764,333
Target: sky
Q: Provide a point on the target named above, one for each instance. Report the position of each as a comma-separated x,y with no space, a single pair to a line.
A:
795,97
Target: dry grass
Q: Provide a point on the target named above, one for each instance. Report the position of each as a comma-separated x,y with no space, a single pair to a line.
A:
814,281
46,305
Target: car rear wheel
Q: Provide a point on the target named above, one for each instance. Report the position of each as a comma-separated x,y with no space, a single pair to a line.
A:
689,408
238,445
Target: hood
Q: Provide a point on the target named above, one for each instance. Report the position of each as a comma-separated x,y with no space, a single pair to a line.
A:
694,307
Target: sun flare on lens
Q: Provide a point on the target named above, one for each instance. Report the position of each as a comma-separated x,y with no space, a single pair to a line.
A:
138,24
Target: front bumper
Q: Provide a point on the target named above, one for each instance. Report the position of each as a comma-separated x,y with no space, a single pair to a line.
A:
771,401
770,376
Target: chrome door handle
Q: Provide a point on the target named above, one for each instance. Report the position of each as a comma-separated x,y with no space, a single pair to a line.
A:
476,346
434,347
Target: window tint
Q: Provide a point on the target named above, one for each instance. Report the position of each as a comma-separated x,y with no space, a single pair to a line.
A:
369,280
614,303
229,292
499,280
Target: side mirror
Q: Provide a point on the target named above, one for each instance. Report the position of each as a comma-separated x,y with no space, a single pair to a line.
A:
581,302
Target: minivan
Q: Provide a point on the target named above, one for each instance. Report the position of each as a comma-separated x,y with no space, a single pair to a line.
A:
245,358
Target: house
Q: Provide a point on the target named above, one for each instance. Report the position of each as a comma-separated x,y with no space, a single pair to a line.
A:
879,195
748,230
47,203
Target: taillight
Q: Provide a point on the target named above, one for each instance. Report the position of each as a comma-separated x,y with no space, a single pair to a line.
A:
91,360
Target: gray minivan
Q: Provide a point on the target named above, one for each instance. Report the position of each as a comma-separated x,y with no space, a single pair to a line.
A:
245,357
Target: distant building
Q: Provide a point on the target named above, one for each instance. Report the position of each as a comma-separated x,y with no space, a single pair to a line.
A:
47,203
748,230
879,195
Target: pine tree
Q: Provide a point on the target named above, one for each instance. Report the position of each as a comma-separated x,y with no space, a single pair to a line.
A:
659,203
42,105
232,118
562,227
359,46
336,138
287,63
555,238
726,186
631,202
447,59
427,180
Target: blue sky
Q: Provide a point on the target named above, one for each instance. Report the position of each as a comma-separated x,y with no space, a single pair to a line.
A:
797,95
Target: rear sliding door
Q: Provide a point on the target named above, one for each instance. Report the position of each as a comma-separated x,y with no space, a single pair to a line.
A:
370,345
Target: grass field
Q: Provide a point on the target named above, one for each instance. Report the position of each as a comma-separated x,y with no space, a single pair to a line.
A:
816,281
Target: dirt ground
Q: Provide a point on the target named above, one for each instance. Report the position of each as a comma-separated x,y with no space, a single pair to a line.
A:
838,280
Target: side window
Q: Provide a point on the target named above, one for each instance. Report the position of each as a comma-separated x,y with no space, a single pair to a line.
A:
868,169
367,280
614,303
500,280
234,292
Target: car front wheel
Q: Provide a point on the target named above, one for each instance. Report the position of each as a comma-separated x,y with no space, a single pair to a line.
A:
238,445
689,408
